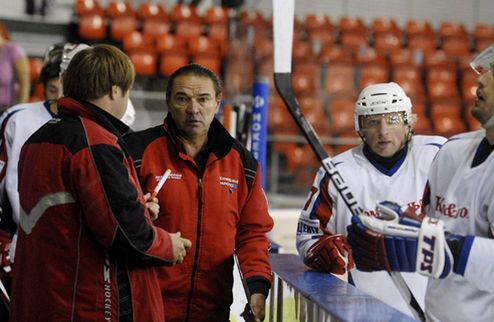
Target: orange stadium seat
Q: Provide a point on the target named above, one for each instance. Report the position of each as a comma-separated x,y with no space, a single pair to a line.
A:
121,26
86,7
422,125
170,62
313,109
418,27
187,21
173,53
449,29
439,59
150,10
279,119
354,40
304,83
438,90
302,50
372,74
155,27
170,43
202,45
369,55
342,114
321,38
446,106
318,21
211,62
340,78
483,30
92,27
382,25
425,43
403,57
387,42
119,8
145,62
483,43
448,125
216,19
456,46
351,24
136,41
335,54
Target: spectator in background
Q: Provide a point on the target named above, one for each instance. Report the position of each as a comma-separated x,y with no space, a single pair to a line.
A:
86,243
15,83
213,197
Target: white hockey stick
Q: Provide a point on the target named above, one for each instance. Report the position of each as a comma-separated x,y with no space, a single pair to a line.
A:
283,16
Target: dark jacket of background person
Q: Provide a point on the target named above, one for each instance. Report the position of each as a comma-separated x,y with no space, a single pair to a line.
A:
220,206
85,230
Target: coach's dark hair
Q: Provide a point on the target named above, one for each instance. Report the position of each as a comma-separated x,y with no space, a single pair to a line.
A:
93,71
197,70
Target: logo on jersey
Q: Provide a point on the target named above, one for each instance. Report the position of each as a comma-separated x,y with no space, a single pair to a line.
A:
232,184
451,210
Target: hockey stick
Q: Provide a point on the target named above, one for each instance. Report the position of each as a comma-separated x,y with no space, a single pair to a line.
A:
247,314
283,16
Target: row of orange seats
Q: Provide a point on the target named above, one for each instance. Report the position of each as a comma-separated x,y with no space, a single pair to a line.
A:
151,18
385,34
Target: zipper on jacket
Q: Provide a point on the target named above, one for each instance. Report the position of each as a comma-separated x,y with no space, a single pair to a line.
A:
198,241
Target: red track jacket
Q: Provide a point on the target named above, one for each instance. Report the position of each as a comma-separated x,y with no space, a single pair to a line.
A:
221,210
85,237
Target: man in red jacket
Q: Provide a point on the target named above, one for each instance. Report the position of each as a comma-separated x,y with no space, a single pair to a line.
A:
213,197
86,244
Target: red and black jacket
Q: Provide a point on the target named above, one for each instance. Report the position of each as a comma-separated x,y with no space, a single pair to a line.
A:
219,205
86,240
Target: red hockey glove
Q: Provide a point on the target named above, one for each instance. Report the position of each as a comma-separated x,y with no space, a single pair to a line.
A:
5,264
328,255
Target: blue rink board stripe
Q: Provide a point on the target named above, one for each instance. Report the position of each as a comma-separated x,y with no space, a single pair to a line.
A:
338,298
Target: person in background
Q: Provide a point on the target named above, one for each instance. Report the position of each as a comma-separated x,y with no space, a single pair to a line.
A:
213,197
86,243
391,164
15,83
453,245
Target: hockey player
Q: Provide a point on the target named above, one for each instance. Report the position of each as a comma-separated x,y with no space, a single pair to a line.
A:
460,200
392,164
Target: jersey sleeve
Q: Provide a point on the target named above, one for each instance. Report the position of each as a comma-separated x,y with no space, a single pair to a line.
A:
316,214
480,266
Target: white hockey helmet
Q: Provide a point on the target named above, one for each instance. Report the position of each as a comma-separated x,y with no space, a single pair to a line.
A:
69,51
380,99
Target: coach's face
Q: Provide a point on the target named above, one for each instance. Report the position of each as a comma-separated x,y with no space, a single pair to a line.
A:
193,105
483,108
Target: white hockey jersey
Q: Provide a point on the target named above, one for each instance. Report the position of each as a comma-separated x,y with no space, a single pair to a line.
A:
18,123
463,197
404,184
